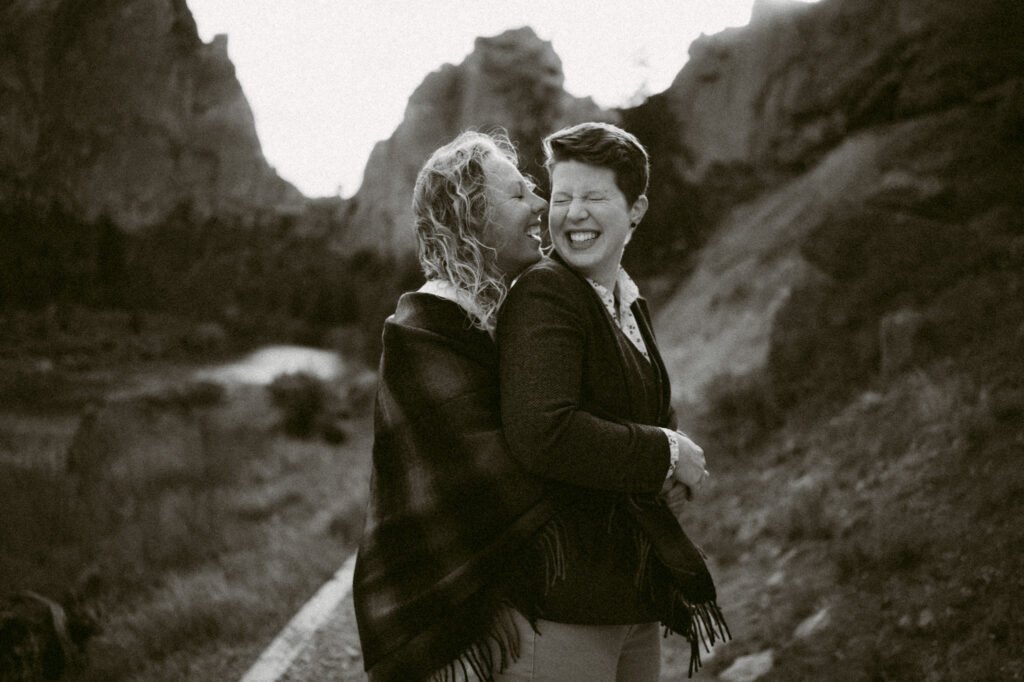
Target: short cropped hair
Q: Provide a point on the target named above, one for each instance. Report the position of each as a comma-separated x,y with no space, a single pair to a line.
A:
606,146
450,212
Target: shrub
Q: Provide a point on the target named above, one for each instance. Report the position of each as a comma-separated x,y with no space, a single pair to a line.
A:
740,411
303,398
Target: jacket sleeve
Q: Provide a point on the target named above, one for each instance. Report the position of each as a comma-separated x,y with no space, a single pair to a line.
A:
541,340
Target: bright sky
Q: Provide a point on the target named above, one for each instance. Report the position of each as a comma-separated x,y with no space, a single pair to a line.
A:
326,79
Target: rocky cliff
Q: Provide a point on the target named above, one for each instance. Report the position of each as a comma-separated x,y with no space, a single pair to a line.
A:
513,81
800,78
117,108
890,124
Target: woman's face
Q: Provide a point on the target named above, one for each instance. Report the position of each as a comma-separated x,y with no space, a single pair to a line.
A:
514,227
590,219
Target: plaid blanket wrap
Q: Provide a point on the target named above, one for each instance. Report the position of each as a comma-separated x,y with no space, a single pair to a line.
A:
450,515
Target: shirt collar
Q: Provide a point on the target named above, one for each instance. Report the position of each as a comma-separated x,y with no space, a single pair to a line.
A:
446,290
626,287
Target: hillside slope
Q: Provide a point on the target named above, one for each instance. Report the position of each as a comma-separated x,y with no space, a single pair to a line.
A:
849,348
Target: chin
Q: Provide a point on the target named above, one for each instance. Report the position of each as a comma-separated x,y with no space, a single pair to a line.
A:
526,262
572,258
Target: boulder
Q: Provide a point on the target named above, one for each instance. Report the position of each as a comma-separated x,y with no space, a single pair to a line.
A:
812,624
40,639
749,668
898,332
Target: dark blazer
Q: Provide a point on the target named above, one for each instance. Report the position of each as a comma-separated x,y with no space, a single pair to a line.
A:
582,406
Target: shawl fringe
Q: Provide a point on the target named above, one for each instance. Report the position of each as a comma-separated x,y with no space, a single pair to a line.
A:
492,653
499,646
551,545
699,623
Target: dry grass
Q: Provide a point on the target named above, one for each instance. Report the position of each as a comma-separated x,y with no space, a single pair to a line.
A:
309,500
190,579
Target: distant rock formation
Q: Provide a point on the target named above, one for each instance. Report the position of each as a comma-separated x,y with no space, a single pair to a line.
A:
119,109
884,143
780,92
513,81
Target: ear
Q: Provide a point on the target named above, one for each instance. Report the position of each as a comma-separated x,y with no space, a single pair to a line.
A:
638,210
636,214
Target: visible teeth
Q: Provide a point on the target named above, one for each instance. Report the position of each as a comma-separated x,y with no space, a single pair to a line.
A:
534,232
582,236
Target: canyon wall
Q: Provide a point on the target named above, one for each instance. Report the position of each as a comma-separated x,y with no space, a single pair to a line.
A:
116,108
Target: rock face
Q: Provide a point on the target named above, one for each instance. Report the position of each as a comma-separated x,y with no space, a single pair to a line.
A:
118,108
800,78
513,81
877,137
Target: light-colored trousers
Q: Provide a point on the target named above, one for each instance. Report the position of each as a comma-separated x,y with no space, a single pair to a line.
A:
561,652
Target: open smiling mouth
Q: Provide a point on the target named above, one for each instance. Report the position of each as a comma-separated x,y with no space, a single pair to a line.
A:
582,238
534,232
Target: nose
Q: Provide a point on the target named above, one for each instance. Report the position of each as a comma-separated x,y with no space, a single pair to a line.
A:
577,211
539,204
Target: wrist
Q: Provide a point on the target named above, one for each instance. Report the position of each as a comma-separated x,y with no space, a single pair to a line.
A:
673,451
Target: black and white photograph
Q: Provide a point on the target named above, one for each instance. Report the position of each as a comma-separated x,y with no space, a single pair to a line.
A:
457,341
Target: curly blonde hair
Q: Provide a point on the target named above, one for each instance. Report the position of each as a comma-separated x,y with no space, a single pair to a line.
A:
450,210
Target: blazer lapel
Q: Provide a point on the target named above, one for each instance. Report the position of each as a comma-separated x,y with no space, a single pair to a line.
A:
643,317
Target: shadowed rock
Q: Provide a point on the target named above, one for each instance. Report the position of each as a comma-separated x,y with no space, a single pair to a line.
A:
119,109
39,638
898,332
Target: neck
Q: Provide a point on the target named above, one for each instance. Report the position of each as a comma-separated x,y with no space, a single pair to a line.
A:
608,278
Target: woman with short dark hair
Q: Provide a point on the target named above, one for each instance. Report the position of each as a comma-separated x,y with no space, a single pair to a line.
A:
586,405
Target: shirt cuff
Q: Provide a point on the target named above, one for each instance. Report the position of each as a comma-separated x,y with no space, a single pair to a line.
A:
673,450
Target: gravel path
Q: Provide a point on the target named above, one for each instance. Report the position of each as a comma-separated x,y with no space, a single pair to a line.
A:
332,653
320,643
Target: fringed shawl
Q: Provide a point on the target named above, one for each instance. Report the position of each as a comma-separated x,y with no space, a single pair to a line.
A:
451,518
676,578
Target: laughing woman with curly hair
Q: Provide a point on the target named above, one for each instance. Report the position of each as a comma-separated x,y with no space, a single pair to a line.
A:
450,511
